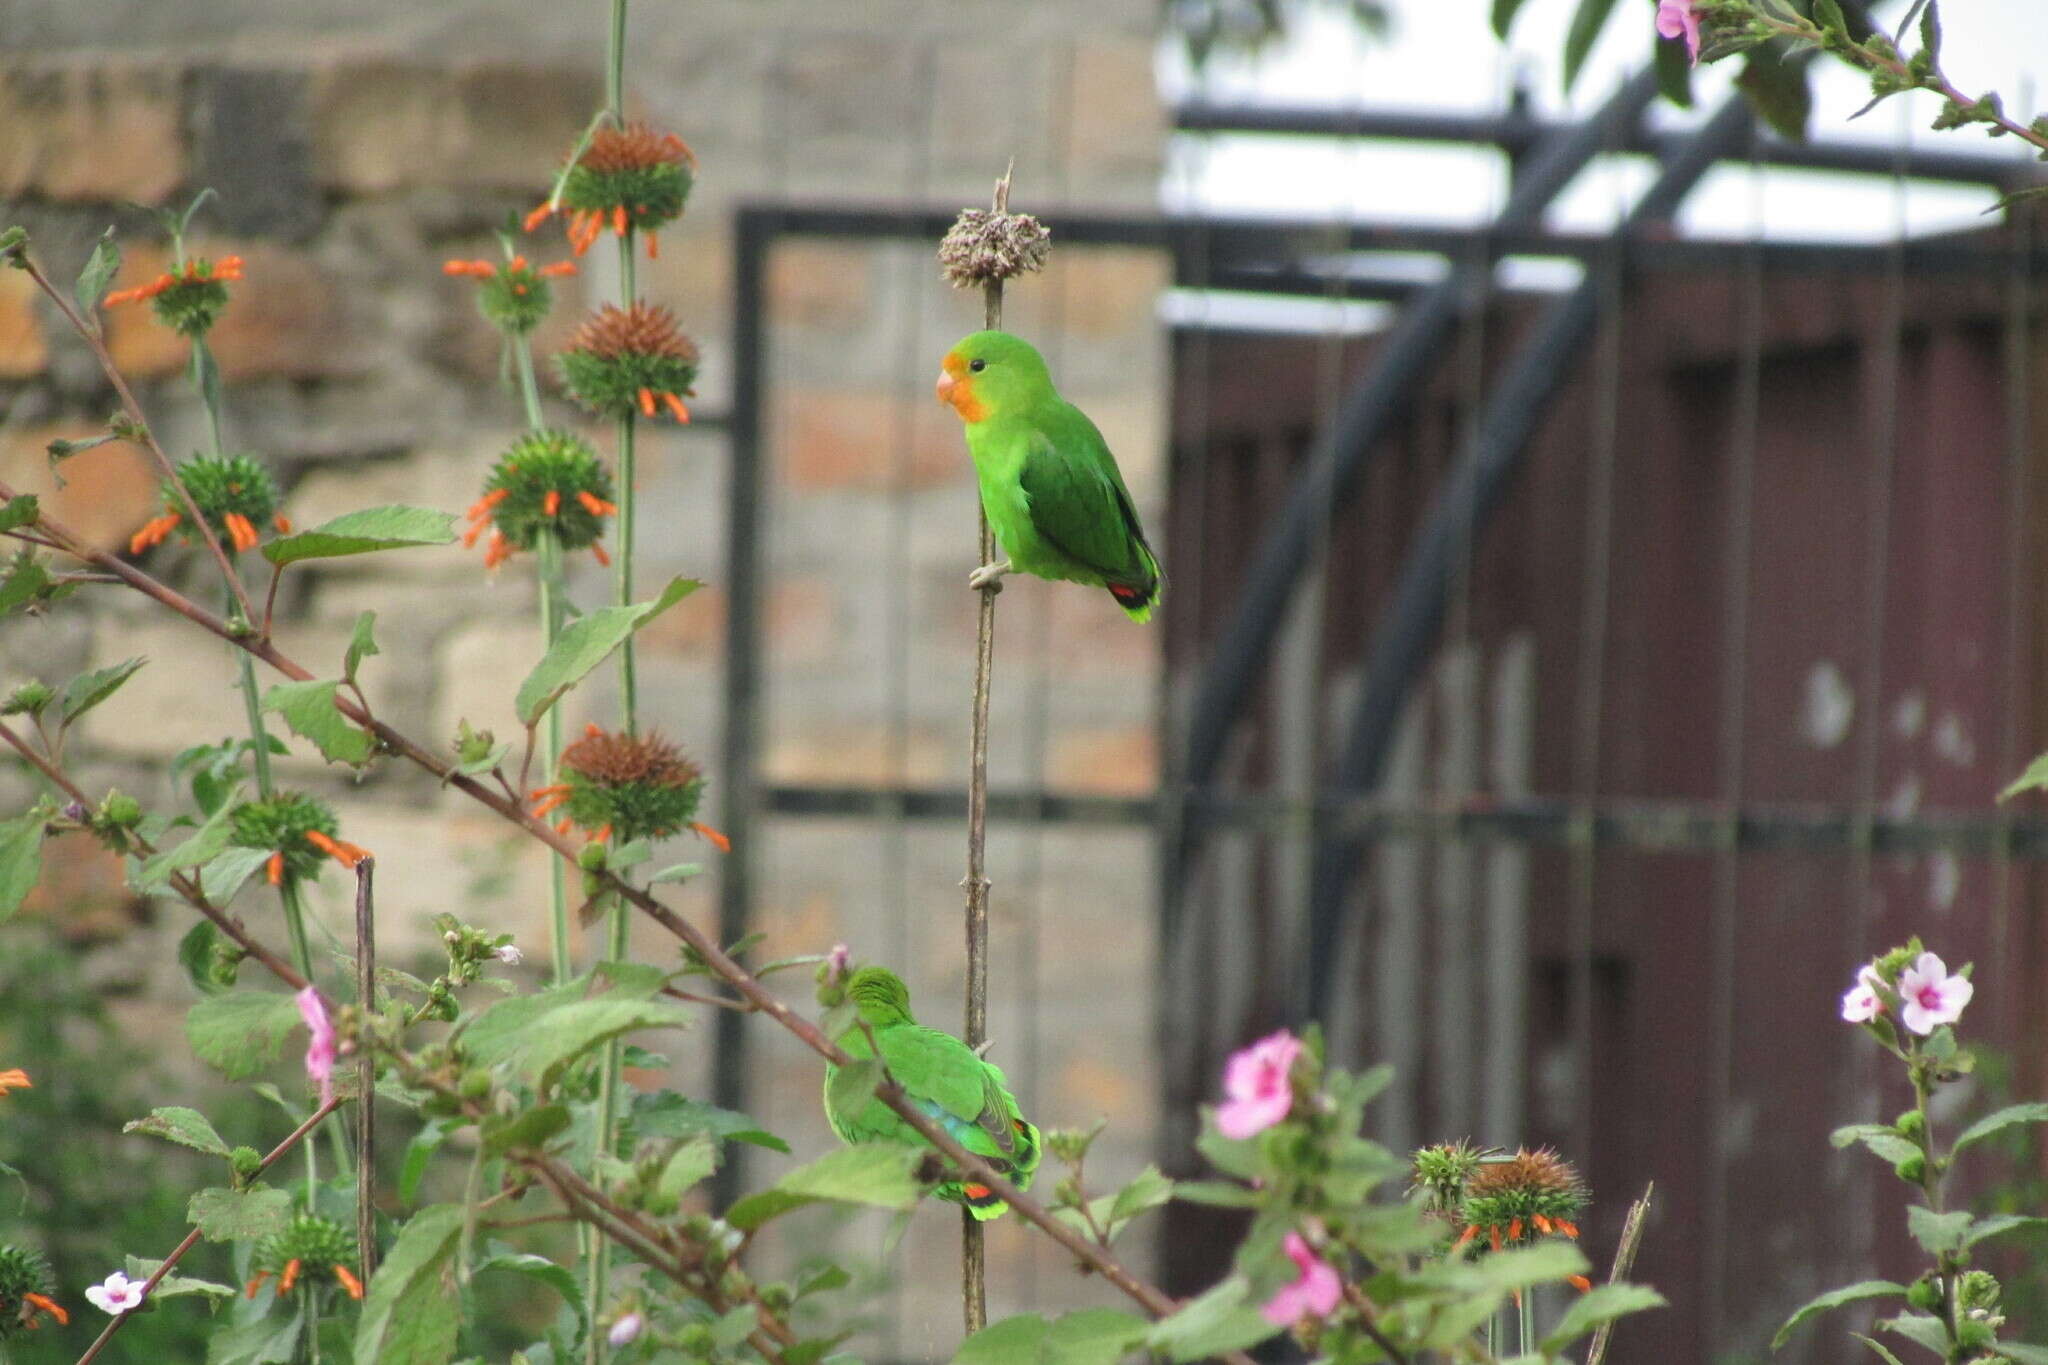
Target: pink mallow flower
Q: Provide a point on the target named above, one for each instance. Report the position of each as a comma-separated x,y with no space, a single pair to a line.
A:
1676,17
1255,1086
626,1330
1311,1296
117,1296
1930,996
320,1049
1862,1003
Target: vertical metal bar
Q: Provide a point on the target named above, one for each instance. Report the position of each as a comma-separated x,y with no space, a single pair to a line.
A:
754,233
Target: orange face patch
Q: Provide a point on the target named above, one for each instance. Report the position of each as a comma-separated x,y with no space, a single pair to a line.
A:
956,389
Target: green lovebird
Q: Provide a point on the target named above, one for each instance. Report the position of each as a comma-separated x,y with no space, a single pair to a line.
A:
1048,482
964,1094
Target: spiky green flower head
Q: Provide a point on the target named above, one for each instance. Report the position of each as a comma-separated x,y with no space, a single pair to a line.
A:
310,1252
281,826
1440,1173
549,481
624,360
25,1288
189,299
625,786
515,296
628,179
1527,1195
233,492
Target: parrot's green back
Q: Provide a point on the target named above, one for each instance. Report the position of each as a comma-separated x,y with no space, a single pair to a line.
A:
965,1095
1050,486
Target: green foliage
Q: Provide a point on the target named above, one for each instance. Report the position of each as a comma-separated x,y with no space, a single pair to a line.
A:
876,1174
586,643
240,1033
546,470
409,1318
368,531
227,1215
21,860
99,272
309,709
186,1127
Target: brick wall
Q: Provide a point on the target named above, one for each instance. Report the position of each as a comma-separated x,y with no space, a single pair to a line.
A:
352,159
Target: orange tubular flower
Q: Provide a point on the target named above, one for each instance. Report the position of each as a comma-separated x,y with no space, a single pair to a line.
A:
497,550
348,1281
14,1078
154,532
558,268
256,1282
343,852
481,270
274,869
290,1276
243,534
712,837
544,211
1580,1283
552,503
602,558
48,1305
596,506
548,798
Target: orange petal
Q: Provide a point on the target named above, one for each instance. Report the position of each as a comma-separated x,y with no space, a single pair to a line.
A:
50,1306
1542,1223
1495,1231
562,825
274,869
469,536
498,551
348,855
552,503
596,506
233,263
1568,1229
240,532
482,506
283,524
602,558
604,833
619,219
539,792
290,1276
646,402
653,246
1471,1231
14,1078
518,263
538,216
559,268
256,1282
676,408
591,730
349,1282
1515,1231
1580,1283
712,837
548,803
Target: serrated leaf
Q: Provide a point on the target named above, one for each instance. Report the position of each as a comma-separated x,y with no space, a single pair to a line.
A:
418,1153
1882,1352
1092,1336
22,508
99,272
225,1215
1856,1132
1603,1303
732,1327
1232,1156
21,861
835,1021
175,1286
241,1032
409,1317
1918,1327
262,1339
1828,15
1937,1232
1225,1194
541,1269
2022,1354
195,955
203,845
1891,1147
585,644
362,643
1147,1190
1587,21
1777,90
533,1129
368,531
88,690
851,1087
1930,33
536,1042
1211,1324
818,1279
1011,1341
877,1174
309,709
186,1127
224,875
27,581
665,1114
688,1164
2035,1112
2000,1223
1835,1298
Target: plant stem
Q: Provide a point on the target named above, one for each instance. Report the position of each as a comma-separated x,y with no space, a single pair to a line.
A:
550,551
366,1074
1525,1320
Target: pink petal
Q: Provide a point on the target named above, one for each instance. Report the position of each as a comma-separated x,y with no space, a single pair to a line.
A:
1252,1115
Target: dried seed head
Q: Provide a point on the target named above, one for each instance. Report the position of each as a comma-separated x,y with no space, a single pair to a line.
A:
625,360
632,148
644,330
1522,1194
613,758
984,247
627,786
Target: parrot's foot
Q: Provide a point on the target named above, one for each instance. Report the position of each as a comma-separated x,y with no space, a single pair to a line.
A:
989,576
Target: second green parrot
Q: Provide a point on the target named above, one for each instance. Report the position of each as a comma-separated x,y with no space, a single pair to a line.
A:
965,1095
1050,487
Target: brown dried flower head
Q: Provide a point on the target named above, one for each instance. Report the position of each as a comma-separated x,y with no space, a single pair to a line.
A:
644,329
615,758
984,247
634,147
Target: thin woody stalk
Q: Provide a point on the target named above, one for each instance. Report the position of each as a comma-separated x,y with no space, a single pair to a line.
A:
744,983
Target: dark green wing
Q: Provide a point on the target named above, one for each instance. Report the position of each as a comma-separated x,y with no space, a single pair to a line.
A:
1078,499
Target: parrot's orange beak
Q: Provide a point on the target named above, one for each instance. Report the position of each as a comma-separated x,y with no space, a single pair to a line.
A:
946,382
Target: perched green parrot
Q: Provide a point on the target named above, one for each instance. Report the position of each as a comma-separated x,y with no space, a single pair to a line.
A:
943,1076
1048,482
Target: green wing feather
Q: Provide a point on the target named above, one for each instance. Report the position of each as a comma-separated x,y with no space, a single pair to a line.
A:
1078,499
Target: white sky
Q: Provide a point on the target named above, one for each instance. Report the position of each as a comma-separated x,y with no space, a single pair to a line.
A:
1442,55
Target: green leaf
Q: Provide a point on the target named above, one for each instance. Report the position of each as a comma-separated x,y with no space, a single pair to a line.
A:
1937,1232
2000,1223
175,1286
240,1033
1147,1190
1777,90
224,875
873,1173
1918,1327
418,1153
99,272
732,1326
1835,1298
1930,34
665,1114
186,1127
1514,1269
1828,15
364,532
1504,16
585,644
2035,1112
1891,1147
88,690
195,955
1011,1341
690,1163
409,1317
361,645
1211,1324
225,1215
2021,1353
677,872
27,581
1219,1193
1856,1132
531,1129
309,709
204,845
265,1339
1092,1336
537,1034
851,1087
1603,1303
1232,1156
21,861
1883,1353
1587,22
22,508
541,1269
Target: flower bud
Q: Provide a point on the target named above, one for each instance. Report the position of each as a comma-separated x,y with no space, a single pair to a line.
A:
1911,1124
1912,1170
591,857
1924,1294
246,1161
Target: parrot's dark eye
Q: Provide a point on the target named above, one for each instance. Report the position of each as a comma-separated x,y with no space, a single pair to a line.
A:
977,365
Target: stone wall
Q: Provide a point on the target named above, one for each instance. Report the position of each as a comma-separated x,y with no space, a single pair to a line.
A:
358,145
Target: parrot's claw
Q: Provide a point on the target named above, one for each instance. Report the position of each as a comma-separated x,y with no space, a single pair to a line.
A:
981,1048
989,576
